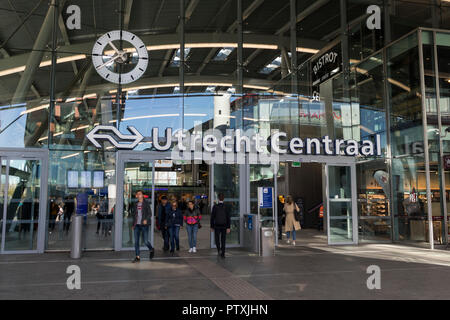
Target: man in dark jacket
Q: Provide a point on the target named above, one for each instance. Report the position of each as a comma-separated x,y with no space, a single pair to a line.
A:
220,224
174,221
142,213
163,209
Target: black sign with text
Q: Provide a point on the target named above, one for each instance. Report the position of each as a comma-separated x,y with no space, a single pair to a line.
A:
326,65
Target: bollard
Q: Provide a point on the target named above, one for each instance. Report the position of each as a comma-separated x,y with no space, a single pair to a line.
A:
77,233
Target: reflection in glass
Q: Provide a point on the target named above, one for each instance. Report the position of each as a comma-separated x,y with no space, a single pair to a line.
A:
22,212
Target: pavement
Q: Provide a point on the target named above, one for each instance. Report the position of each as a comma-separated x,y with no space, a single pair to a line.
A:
310,270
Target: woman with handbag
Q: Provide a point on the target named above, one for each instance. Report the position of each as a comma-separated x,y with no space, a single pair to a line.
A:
291,224
192,217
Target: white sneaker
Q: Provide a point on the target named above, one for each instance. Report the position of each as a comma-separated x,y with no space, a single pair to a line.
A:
288,241
190,250
194,249
293,243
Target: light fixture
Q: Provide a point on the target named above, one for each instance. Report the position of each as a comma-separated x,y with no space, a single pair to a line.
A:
44,106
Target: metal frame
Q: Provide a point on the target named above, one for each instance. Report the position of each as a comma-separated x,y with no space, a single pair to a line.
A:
121,158
325,161
28,154
354,204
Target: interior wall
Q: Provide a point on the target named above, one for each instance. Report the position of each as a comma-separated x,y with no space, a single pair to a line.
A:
304,182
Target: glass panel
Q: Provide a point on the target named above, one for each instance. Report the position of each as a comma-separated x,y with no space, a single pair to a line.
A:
373,201
179,181
261,176
340,204
22,214
81,183
25,72
362,40
437,192
408,165
339,182
137,176
2,196
373,229
226,181
341,230
443,53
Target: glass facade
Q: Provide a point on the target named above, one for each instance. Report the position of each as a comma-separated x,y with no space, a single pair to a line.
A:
307,68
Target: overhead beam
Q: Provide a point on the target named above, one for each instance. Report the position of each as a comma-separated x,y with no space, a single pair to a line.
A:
300,17
62,28
161,42
247,12
187,15
35,56
127,15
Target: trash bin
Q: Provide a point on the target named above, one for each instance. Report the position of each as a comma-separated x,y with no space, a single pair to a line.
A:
267,241
77,237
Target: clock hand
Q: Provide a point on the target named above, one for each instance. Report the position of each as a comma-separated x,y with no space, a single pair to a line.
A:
114,47
107,62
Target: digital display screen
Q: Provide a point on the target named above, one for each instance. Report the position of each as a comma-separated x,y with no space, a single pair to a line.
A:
99,178
85,179
72,179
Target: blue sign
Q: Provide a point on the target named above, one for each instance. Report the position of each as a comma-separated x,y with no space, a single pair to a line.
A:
265,197
250,222
82,203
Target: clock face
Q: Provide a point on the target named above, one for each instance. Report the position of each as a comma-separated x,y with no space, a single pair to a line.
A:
120,65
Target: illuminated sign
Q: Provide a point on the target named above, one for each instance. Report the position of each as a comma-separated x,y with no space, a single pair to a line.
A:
240,141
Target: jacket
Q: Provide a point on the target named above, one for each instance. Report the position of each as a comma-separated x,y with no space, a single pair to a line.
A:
162,213
174,218
192,217
146,212
220,216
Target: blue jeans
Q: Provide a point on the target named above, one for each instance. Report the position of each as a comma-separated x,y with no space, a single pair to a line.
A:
174,234
192,230
293,234
138,229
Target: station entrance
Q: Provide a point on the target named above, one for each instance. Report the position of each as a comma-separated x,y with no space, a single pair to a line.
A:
327,183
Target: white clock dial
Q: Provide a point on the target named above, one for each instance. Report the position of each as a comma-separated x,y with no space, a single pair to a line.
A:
107,57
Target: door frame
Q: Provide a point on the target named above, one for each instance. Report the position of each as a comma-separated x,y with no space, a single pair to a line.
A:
121,158
354,203
28,154
325,161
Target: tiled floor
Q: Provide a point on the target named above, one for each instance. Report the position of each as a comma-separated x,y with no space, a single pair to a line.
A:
311,270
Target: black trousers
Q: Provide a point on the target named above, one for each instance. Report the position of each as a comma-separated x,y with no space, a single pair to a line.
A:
220,235
165,236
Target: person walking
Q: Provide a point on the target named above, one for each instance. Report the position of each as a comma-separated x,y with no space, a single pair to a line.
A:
281,216
163,209
192,217
220,224
142,213
291,225
69,209
174,221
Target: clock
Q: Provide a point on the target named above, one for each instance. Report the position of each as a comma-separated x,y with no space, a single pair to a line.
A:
120,66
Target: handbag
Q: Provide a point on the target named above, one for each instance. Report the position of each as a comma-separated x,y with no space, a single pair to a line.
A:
296,213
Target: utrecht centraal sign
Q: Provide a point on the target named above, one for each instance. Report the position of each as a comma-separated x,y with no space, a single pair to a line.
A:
234,146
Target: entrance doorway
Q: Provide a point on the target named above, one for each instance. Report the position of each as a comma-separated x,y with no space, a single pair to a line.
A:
325,190
177,180
23,181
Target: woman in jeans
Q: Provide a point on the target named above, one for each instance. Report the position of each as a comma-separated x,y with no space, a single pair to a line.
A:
291,224
174,221
192,217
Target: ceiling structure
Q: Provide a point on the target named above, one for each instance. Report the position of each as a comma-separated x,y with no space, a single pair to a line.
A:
210,35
